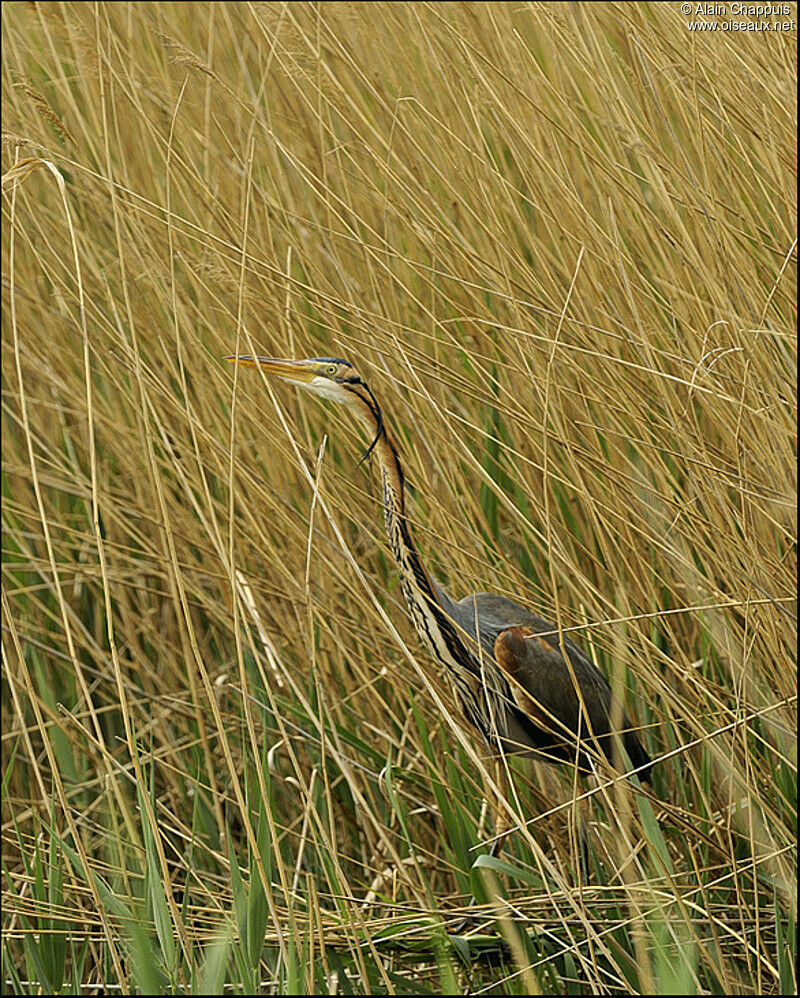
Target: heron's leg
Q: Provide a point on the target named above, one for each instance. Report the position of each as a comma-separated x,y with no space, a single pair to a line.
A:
502,820
583,832
502,826
583,841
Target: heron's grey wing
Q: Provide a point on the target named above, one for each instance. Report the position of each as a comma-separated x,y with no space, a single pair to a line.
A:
543,686
542,672
494,614
544,689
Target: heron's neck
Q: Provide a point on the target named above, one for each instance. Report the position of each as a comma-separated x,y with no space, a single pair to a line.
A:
416,581
419,589
424,597
427,601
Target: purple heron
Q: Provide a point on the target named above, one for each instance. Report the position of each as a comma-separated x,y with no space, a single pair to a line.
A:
507,665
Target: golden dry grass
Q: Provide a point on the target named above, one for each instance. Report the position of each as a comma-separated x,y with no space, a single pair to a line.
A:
560,243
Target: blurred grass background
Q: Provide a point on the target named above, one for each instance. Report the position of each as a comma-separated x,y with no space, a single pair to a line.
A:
559,241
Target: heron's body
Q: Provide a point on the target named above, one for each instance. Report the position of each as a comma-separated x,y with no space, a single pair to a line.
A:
505,663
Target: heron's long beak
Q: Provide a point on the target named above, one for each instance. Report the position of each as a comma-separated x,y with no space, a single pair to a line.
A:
298,371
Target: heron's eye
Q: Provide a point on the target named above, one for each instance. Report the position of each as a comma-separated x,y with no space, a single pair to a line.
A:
331,369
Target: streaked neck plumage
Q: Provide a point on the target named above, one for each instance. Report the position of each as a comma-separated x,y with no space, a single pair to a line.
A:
418,586
427,601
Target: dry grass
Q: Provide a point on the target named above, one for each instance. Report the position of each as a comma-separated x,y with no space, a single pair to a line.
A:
559,241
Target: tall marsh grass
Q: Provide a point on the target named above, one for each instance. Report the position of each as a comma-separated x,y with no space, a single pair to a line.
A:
559,240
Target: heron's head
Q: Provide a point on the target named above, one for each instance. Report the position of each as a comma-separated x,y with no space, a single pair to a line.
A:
328,377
